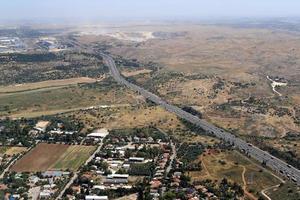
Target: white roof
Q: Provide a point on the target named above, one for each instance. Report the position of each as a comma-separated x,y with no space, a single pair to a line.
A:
136,158
95,197
44,194
101,187
99,133
117,176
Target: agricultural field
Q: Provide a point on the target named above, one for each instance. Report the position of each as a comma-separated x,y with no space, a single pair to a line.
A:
53,157
237,168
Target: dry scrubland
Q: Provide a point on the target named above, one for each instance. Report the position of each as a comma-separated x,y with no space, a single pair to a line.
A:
128,117
10,151
53,157
235,167
232,55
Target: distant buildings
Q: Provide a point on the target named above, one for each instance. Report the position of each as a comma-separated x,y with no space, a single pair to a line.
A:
42,126
95,197
136,159
100,133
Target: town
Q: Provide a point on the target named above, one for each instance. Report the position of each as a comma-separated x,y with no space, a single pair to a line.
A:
52,160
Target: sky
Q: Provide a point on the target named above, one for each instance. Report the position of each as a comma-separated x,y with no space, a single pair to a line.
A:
145,9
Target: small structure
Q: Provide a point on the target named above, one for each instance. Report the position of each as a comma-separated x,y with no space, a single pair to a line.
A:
136,159
42,126
95,197
45,194
48,174
116,179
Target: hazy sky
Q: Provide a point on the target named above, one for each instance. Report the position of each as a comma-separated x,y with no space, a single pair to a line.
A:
145,9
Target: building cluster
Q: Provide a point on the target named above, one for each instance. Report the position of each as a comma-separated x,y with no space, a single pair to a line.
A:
51,44
121,164
36,185
11,45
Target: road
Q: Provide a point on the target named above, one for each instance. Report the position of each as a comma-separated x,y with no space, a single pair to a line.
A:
274,163
9,165
14,161
172,157
75,176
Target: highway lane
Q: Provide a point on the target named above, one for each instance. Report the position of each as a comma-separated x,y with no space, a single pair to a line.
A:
262,156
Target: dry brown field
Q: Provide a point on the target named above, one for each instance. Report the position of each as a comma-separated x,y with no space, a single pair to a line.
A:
53,157
44,84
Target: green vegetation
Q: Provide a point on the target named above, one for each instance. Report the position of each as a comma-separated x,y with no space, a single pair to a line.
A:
74,157
58,99
142,169
188,153
224,190
25,68
285,191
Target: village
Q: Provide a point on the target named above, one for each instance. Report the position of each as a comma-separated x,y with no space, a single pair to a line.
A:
61,163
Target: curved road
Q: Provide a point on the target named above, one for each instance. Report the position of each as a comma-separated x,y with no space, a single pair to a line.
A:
262,156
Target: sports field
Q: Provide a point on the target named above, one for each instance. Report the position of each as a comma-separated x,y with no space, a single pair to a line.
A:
53,157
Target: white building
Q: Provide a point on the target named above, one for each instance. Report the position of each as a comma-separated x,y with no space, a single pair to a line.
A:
136,159
95,197
100,133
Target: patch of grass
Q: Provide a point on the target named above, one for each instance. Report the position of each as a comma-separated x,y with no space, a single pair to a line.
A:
3,149
287,191
74,157
59,99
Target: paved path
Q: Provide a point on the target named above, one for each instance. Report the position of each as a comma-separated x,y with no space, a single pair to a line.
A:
14,160
172,157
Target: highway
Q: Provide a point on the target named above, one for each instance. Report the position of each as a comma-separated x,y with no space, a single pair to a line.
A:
274,163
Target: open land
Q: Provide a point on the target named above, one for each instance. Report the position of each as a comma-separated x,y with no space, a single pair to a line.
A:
237,168
53,157
10,151
221,71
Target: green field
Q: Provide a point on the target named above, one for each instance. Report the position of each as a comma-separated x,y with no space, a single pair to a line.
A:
74,157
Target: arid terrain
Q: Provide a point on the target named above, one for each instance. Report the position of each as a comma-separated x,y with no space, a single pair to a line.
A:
222,71
242,79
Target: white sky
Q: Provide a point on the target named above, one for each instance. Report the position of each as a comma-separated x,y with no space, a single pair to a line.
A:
145,9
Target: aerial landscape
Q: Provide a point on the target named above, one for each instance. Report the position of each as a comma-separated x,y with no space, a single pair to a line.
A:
160,100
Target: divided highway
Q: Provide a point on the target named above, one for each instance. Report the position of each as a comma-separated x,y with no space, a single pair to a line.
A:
262,156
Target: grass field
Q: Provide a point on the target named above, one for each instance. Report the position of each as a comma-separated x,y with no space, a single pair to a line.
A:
53,157
237,168
73,158
47,101
287,191
44,84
